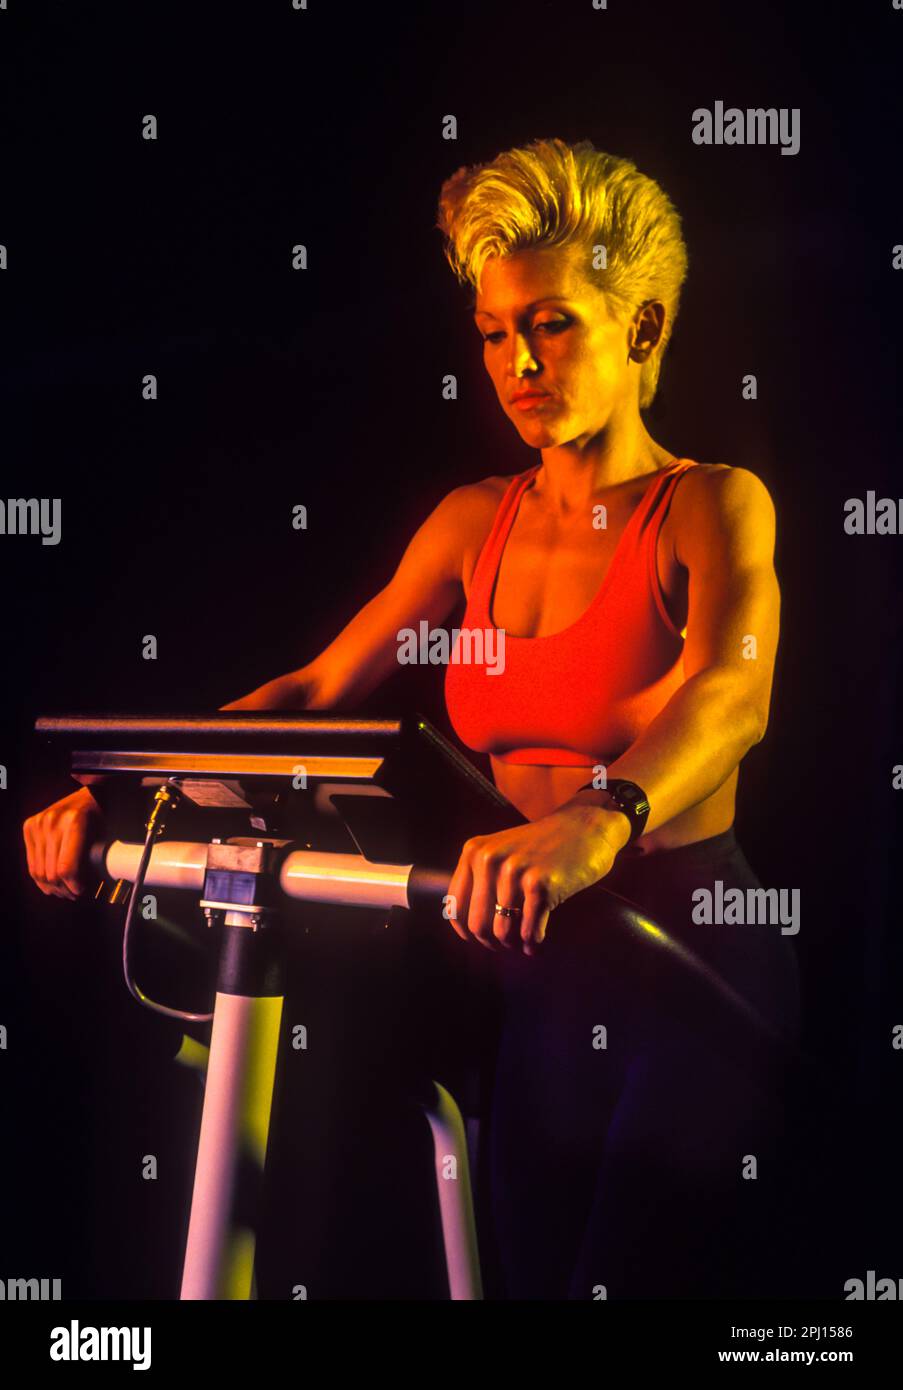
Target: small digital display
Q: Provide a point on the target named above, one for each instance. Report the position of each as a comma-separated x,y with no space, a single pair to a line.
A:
228,886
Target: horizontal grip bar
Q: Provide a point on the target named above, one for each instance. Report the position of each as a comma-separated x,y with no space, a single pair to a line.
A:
697,991
307,875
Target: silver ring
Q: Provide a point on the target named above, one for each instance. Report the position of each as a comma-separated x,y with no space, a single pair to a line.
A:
508,911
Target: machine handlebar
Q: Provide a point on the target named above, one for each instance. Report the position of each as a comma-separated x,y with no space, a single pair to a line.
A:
692,990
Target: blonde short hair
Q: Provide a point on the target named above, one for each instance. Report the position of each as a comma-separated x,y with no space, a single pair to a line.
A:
550,193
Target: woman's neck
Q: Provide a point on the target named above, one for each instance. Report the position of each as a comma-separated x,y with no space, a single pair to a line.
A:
573,474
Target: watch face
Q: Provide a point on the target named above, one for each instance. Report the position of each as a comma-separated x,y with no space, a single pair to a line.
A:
632,796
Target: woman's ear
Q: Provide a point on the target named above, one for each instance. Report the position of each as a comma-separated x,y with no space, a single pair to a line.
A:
645,330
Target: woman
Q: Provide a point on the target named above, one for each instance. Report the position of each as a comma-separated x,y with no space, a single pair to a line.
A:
637,599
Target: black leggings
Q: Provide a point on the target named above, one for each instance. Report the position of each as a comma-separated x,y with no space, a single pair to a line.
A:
624,1171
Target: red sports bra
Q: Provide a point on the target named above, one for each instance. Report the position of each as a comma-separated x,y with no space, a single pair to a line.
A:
582,695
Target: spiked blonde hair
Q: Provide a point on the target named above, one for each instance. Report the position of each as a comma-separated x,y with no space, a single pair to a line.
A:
549,193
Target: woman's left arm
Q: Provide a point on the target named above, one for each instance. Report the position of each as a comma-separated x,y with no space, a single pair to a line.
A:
725,533
725,541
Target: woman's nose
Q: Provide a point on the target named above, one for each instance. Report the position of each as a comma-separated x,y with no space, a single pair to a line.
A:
521,358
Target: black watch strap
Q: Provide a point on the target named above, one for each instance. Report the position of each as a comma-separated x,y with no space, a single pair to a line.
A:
627,797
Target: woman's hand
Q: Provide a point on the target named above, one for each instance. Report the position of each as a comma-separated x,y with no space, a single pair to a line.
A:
533,867
57,843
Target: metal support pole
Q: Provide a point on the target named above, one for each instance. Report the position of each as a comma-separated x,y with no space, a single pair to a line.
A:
219,1256
459,1229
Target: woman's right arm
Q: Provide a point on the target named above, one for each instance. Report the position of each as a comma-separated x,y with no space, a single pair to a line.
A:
426,585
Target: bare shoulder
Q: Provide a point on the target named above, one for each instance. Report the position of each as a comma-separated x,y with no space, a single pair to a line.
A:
722,486
467,513
483,493
471,507
721,507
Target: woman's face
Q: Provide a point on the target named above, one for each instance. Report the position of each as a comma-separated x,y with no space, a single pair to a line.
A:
546,328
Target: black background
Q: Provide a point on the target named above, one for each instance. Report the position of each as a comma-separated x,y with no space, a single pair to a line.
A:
279,387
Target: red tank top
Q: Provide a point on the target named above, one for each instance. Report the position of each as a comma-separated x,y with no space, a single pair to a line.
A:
582,695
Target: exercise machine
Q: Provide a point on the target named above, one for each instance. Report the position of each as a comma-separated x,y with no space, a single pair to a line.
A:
405,801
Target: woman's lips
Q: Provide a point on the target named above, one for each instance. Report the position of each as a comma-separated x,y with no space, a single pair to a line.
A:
530,402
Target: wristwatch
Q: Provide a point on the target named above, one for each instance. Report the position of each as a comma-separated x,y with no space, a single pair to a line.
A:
629,798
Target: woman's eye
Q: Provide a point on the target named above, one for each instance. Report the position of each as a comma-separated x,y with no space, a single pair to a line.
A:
549,326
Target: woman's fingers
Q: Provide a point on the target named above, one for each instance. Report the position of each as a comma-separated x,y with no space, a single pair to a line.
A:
34,850
457,899
537,909
508,892
468,893
71,853
57,843
487,869
488,875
